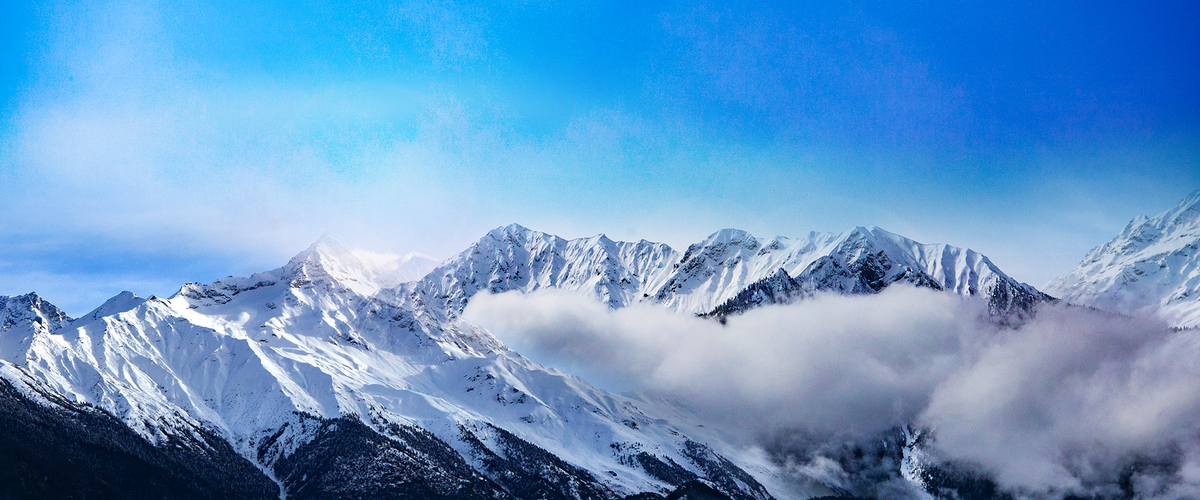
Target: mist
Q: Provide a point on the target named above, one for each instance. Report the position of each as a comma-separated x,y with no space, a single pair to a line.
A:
1071,402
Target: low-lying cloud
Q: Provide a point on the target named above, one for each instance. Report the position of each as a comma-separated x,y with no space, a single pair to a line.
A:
1073,401
1076,397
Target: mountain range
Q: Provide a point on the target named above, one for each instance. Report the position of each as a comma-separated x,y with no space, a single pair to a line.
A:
347,374
728,272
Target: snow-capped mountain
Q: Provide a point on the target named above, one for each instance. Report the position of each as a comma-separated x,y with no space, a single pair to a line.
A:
728,272
330,378
1152,266
333,391
24,317
516,258
732,270
364,272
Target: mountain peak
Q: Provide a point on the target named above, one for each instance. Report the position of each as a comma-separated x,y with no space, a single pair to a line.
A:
600,238
119,303
872,231
511,229
1151,265
731,235
1185,215
364,272
327,246
325,252
1191,200
30,307
512,234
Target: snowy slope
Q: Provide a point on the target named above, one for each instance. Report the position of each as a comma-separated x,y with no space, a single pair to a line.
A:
1152,266
267,361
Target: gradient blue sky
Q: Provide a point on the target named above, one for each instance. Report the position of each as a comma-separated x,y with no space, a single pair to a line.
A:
149,144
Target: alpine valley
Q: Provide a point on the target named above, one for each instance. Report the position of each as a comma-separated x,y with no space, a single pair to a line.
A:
339,376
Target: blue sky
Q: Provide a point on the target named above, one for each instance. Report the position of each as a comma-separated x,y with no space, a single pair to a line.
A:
149,144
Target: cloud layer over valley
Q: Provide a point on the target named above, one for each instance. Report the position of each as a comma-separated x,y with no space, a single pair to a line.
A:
1071,402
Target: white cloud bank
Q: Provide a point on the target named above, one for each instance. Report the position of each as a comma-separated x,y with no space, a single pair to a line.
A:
1072,402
